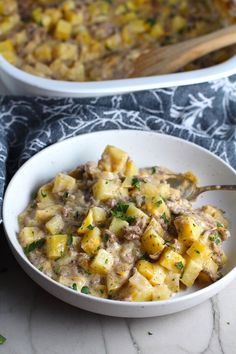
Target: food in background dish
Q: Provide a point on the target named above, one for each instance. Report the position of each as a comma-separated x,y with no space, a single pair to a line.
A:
115,231
77,40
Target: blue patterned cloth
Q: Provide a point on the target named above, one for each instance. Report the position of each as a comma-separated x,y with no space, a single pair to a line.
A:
204,114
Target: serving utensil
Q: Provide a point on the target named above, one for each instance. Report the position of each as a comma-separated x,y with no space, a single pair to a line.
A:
168,59
189,189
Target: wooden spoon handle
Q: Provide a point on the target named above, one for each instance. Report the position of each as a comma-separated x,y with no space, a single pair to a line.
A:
167,59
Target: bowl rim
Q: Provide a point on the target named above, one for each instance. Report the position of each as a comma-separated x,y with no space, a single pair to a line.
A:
110,87
174,300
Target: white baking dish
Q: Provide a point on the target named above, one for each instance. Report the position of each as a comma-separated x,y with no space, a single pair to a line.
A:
19,82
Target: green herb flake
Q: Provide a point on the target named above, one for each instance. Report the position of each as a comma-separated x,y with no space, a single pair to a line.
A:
198,252
120,210
136,182
105,238
165,219
43,194
158,203
215,238
90,227
154,170
219,224
179,265
167,243
74,286
57,270
33,245
144,257
106,261
151,21
2,339
69,240
66,195
40,268
85,290
101,291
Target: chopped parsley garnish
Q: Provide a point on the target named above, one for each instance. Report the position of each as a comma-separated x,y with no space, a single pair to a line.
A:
66,195
151,21
179,265
165,219
69,240
219,224
144,257
43,194
85,290
101,291
136,182
154,170
106,261
167,242
215,238
57,270
105,238
158,203
120,210
90,227
2,339
198,252
74,286
33,245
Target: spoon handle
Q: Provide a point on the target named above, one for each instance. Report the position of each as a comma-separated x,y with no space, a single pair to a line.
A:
225,187
170,58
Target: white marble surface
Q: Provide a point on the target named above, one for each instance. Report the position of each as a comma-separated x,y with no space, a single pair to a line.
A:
34,322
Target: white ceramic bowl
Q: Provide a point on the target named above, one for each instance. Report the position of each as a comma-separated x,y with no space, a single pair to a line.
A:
19,82
147,149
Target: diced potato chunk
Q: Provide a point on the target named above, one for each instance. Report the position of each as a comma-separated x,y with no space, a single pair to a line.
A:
210,266
56,246
29,234
172,260
43,53
159,274
188,230
91,241
63,30
157,206
88,220
99,214
172,281
106,189
155,225
136,212
130,169
116,280
139,288
102,263
199,252
149,190
45,196
161,292
65,51
55,224
63,183
152,243
117,225
145,268
47,213
216,214
191,272
113,159
76,283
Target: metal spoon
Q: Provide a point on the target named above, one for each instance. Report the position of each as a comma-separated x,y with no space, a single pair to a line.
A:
188,188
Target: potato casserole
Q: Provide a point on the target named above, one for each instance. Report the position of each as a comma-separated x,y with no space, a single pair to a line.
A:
89,40
115,231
